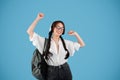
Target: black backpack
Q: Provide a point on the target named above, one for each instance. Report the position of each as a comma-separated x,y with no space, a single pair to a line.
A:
38,64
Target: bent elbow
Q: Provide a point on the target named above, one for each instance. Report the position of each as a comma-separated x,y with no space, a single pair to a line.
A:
28,32
82,45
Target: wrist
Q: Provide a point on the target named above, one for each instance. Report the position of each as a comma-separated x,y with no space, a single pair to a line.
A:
75,33
37,19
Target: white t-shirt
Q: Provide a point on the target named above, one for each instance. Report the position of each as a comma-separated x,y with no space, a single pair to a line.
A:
58,56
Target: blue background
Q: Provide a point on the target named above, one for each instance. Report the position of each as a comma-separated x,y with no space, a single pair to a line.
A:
97,22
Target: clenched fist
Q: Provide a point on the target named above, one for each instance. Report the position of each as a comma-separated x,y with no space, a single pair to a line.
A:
72,32
40,16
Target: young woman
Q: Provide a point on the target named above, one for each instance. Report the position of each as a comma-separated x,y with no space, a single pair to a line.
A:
58,50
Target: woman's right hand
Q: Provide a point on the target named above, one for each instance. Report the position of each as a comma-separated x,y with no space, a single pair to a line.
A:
40,16
30,30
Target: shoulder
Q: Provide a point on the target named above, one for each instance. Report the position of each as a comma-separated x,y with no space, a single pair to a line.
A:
68,41
37,37
71,43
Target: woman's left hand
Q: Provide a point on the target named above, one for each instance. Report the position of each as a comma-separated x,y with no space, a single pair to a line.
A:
71,32
80,41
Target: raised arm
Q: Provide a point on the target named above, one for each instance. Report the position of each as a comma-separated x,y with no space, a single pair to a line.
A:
30,30
80,41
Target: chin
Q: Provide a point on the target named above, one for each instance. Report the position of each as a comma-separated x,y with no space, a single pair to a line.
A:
60,34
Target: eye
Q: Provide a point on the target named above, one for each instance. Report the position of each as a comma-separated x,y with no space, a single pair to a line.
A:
59,28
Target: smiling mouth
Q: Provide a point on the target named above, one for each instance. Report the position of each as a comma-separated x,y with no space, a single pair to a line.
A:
59,32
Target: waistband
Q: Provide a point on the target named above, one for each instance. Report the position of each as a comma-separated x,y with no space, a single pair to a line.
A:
60,66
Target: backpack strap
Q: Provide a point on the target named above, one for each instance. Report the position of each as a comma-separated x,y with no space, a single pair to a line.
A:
45,46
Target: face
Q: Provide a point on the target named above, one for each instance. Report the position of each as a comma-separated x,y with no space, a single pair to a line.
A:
58,30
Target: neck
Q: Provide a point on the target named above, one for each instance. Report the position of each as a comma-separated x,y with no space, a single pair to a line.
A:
56,38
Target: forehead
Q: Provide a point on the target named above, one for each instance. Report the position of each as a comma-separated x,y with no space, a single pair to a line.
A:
60,25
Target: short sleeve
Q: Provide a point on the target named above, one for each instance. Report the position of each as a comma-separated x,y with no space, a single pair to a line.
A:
37,41
72,46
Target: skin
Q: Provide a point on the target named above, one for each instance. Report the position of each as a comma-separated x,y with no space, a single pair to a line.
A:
56,32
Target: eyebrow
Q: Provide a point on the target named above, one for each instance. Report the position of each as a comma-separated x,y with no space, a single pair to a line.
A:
60,26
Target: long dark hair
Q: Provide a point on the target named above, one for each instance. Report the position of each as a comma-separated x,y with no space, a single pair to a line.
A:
47,53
